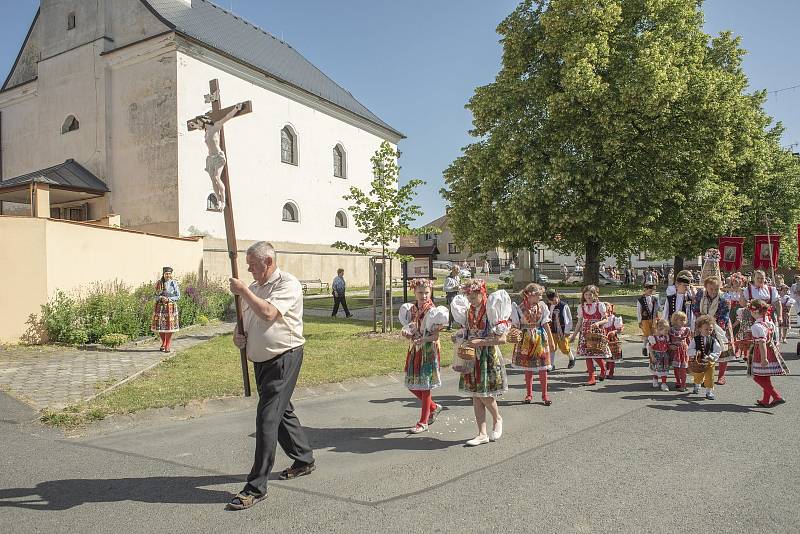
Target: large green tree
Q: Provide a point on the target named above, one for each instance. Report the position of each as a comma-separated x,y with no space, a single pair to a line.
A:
610,124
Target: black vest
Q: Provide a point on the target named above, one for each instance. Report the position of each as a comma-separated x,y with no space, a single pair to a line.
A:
672,301
704,347
648,314
559,309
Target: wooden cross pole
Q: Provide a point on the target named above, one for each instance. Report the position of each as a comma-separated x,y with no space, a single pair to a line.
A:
216,114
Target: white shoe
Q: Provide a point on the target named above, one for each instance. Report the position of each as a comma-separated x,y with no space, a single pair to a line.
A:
664,387
477,440
420,428
710,394
495,434
655,382
696,389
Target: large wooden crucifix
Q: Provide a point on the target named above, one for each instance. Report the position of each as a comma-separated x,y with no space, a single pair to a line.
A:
217,168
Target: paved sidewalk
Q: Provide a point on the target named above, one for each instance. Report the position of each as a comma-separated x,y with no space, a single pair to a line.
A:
54,377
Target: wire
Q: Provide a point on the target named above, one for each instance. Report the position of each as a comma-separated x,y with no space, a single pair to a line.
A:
776,91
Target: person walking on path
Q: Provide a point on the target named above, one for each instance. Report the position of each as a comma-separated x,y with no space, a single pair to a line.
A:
451,287
272,310
165,320
564,272
339,286
486,267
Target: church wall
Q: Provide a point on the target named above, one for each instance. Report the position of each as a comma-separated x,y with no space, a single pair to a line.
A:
143,129
261,183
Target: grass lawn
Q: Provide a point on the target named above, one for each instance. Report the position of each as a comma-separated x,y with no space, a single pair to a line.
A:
334,351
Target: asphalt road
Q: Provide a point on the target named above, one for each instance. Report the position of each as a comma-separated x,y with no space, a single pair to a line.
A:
616,457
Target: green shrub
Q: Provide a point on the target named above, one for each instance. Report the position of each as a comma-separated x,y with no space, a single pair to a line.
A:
114,340
119,309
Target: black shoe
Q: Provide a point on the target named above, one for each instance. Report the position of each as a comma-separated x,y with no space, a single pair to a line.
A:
644,353
571,364
348,315
777,402
299,471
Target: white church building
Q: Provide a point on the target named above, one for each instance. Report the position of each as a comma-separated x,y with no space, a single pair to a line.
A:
93,123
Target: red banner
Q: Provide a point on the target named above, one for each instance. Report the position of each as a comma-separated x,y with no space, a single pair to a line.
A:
730,253
765,253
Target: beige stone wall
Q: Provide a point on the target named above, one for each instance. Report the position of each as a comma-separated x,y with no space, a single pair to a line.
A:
305,261
40,256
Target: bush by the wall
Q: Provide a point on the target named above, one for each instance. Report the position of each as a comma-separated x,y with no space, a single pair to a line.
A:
119,309
114,340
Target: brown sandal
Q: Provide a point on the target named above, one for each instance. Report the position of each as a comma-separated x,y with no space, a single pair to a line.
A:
294,472
243,501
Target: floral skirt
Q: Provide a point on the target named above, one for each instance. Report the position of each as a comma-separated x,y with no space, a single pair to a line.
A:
165,318
679,356
775,364
422,366
530,354
488,379
660,363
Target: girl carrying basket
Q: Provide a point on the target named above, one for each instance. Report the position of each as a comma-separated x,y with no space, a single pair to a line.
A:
535,348
593,345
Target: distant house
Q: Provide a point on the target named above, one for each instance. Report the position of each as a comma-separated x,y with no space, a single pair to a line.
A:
450,251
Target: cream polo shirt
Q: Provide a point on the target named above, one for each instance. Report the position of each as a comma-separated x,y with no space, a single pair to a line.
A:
269,339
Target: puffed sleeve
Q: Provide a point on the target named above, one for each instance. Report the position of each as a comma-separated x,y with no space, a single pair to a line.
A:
618,322
458,308
498,311
545,313
692,350
438,316
405,313
516,314
651,341
601,307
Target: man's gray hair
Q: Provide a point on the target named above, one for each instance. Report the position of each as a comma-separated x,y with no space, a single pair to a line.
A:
262,250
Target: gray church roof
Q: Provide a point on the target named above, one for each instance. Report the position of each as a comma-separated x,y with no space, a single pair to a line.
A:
227,33
69,175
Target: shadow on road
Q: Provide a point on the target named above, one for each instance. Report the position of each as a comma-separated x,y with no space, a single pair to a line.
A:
66,494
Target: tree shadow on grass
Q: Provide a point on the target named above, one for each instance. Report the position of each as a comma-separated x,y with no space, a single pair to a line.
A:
66,494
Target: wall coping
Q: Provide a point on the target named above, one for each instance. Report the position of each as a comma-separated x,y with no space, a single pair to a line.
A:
94,225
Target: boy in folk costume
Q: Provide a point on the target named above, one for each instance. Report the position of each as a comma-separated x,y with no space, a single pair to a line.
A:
766,360
786,304
647,308
704,350
532,353
679,337
560,326
613,329
422,322
709,301
679,297
485,328
591,319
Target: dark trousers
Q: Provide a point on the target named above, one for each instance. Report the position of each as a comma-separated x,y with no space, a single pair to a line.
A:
450,297
340,300
275,418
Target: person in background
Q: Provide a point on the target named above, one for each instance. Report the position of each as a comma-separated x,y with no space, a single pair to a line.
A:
165,312
486,267
786,304
794,292
647,308
339,287
451,287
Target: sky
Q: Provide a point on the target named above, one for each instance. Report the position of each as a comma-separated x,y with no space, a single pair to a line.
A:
416,63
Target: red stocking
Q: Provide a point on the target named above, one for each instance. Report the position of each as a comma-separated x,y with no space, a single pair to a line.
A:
766,385
167,340
723,366
543,380
602,364
425,397
611,366
683,376
590,370
529,383
162,335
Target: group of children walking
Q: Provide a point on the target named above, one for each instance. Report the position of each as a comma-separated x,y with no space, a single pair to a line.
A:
691,333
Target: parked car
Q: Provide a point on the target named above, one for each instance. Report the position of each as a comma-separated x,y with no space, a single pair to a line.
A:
465,273
442,265
606,280
542,279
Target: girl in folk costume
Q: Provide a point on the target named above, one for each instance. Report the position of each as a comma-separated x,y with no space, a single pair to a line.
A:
766,360
704,350
532,353
679,337
647,308
485,328
741,317
660,359
760,290
786,304
165,312
613,329
422,322
709,301
679,297
591,319
560,326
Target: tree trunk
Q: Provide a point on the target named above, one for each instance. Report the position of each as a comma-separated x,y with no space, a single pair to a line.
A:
678,264
591,271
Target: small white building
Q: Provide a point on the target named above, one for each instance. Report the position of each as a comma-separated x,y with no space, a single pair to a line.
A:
110,84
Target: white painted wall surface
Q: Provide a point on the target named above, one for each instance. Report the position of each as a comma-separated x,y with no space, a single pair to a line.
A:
261,183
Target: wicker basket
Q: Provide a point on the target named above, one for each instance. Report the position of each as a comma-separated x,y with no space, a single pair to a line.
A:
514,335
596,341
466,353
698,364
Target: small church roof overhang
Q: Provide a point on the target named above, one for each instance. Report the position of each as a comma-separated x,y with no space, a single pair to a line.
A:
68,182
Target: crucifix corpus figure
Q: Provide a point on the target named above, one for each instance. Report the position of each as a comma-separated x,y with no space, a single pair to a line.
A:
211,123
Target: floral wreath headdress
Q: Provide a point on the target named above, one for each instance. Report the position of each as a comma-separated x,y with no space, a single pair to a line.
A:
420,282
476,285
